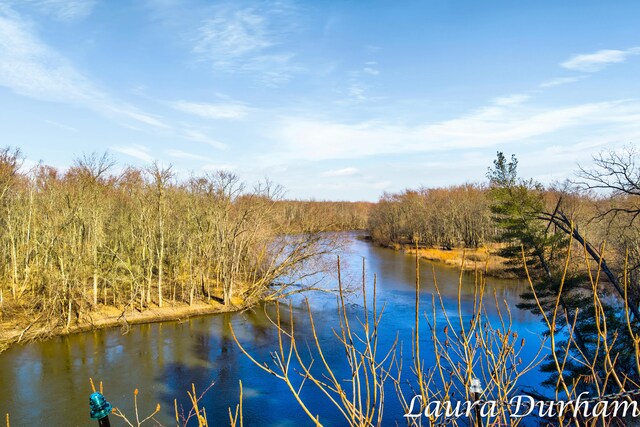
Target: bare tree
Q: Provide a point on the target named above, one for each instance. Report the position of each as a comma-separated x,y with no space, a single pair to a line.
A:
71,240
92,170
615,173
161,177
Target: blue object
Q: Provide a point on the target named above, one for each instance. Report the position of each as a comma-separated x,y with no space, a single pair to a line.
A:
100,408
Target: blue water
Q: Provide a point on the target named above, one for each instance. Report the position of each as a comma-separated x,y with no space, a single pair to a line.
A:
47,383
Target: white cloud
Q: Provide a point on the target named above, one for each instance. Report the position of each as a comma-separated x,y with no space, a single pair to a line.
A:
213,167
195,135
179,154
340,172
352,185
139,152
212,111
30,68
560,81
61,126
271,69
231,34
514,99
138,116
371,71
357,91
487,127
596,61
246,40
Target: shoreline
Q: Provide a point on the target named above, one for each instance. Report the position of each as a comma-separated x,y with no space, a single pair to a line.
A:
467,259
108,317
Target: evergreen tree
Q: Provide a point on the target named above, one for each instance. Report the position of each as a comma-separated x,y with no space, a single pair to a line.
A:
519,208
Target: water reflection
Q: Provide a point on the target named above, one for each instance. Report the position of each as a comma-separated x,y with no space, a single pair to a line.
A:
48,381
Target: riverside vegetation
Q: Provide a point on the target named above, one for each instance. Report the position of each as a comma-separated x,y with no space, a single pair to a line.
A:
91,246
487,218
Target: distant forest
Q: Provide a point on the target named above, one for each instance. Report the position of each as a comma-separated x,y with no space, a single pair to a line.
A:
601,201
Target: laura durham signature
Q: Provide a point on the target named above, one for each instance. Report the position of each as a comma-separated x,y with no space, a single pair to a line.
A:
522,406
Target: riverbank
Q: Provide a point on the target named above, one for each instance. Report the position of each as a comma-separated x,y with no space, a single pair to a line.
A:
14,332
468,259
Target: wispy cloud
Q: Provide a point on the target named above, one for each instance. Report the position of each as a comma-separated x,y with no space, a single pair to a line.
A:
359,80
139,152
198,136
353,185
486,127
232,34
371,71
138,116
65,10
247,40
515,99
61,126
212,111
340,172
212,167
357,91
560,81
179,154
591,62
30,68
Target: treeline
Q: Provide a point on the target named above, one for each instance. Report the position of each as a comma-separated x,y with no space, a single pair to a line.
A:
465,216
457,216
298,216
72,241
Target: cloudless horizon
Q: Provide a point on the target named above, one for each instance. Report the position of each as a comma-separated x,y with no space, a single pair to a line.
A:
335,100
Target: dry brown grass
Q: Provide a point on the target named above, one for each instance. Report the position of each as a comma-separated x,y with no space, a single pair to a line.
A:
469,259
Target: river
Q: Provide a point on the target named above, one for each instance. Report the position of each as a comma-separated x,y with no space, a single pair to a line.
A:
47,383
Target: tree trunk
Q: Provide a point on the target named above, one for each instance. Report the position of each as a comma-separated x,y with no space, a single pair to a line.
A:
161,256
564,224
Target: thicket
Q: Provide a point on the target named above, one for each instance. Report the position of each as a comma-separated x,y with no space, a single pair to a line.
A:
457,216
469,215
72,241
299,216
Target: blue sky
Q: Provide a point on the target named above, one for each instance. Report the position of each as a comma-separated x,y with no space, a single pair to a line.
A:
337,100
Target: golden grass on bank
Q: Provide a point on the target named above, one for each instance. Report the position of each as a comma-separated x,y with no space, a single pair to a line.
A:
469,259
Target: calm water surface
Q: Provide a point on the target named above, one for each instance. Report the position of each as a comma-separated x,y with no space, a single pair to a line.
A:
47,383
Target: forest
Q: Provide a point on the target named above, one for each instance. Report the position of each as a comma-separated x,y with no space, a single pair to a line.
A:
73,242
601,202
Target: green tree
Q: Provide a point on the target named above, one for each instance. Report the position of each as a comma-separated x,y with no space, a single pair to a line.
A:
519,207
516,206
